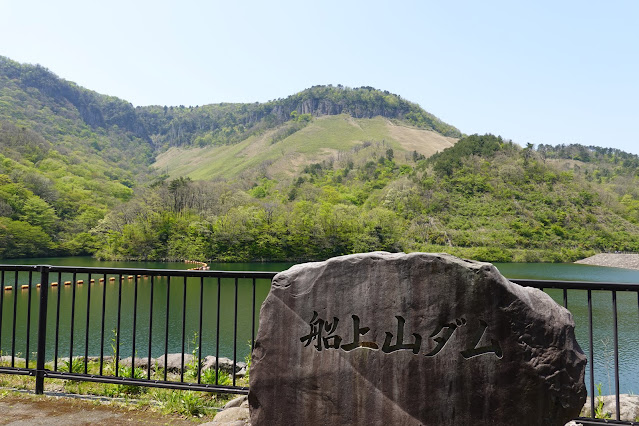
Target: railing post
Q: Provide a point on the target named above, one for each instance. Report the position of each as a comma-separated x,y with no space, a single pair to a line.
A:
42,328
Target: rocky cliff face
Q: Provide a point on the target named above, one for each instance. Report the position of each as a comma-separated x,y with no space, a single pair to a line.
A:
94,109
210,124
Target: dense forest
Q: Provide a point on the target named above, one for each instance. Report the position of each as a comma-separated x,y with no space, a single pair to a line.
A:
76,178
485,198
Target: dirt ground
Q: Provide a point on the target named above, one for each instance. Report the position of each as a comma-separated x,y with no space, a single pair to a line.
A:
29,409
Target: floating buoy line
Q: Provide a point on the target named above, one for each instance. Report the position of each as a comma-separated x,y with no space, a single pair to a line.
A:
202,266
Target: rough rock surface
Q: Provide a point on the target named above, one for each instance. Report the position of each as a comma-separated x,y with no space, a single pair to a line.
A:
235,413
6,359
236,416
412,339
241,401
139,362
629,407
174,362
224,364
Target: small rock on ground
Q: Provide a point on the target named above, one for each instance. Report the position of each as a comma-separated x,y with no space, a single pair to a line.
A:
235,413
241,401
236,416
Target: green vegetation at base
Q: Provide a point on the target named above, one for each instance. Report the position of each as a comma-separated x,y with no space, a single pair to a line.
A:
599,405
167,401
49,201
484,198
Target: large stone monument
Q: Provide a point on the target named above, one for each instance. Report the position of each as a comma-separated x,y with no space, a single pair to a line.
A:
411,339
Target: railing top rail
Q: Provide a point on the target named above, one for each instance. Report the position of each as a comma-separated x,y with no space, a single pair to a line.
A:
578,285
19,268
139,271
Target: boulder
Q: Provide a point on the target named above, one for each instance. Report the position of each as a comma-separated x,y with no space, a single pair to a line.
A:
174,362
236,416
224,364
608,407
139,362
412,339
6,359
241,401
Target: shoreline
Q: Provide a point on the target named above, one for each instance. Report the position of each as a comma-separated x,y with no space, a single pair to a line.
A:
613,260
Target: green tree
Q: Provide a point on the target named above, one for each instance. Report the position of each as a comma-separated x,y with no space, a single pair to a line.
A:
37,212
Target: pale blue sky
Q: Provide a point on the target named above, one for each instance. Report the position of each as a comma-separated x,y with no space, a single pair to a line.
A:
541,72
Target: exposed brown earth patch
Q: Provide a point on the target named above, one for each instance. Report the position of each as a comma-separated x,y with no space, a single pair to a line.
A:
424,142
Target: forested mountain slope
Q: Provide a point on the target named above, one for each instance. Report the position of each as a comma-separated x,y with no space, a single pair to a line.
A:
68,155
324,172
483,198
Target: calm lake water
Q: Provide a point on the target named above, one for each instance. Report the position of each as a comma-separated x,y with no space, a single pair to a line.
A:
628,312
145,306
603,328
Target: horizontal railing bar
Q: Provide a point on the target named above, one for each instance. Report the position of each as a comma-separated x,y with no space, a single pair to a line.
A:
145,382
578,285
17,370
587,421
19,268
140,271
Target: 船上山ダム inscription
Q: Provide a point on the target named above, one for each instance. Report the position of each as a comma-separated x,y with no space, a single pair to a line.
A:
412,339
323,334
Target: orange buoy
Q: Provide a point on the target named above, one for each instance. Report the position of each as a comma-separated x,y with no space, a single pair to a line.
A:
8,288
80,281
54,284
25,286
112,279
67,283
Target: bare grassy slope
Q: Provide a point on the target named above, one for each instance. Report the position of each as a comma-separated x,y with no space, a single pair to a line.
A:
321,139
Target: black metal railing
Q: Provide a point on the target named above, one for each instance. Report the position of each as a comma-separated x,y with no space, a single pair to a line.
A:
75,307
69,311
578,290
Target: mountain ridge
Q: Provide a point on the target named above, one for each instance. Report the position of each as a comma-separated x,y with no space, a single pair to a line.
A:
221,123
277,182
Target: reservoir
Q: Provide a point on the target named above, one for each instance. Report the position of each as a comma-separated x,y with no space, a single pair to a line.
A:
603,330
